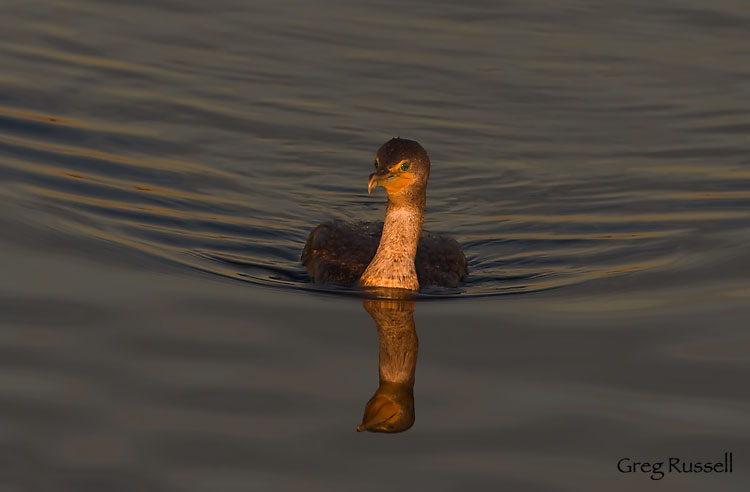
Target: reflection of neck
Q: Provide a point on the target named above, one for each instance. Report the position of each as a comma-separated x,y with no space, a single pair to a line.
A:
391,408
398,340
393,264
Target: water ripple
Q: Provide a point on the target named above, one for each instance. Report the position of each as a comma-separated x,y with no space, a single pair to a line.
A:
551,169
572,232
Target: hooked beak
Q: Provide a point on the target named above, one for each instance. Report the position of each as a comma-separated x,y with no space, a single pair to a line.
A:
377,179
393,182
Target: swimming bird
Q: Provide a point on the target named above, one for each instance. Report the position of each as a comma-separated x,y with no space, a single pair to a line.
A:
396,253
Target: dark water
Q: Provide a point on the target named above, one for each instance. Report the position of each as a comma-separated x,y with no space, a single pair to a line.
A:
161,164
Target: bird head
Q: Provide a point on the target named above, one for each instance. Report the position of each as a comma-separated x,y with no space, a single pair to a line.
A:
400,165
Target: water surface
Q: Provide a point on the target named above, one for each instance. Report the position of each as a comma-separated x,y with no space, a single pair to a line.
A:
161,164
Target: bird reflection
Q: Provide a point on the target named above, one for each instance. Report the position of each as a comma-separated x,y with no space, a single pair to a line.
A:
391,409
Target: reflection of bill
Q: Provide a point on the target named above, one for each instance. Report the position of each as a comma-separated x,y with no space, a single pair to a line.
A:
391,409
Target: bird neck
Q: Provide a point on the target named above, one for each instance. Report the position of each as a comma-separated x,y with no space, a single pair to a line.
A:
393,264
401,230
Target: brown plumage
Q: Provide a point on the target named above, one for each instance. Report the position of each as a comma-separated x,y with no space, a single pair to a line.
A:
338,252
397,253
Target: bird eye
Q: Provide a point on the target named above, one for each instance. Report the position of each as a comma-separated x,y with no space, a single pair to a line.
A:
376,164
404,166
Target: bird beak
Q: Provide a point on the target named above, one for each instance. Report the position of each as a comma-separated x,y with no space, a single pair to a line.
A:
376,179
392,182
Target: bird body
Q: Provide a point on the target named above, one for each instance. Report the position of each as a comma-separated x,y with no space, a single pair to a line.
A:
396,253
338,252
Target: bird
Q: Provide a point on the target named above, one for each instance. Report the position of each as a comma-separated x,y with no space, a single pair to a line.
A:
396,253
